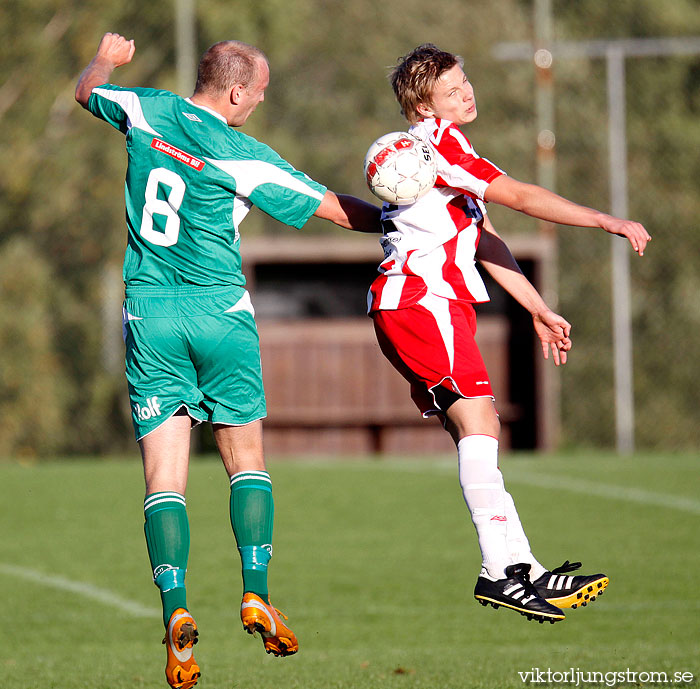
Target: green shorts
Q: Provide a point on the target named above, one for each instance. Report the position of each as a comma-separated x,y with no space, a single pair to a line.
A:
193,348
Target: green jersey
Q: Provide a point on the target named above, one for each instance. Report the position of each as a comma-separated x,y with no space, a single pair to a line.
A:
190,181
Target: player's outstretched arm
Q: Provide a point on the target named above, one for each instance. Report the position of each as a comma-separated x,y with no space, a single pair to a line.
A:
541,203
350,212
552,330
114,50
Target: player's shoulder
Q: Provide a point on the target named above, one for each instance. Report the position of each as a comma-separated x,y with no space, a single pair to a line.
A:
247,147
444,135
136,99
146,92
138,91
199,127
451,136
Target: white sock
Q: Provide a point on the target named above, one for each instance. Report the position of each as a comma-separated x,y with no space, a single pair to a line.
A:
518,544
482,487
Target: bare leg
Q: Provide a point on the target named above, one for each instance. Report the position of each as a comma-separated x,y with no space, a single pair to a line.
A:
240,447
473,416
166,454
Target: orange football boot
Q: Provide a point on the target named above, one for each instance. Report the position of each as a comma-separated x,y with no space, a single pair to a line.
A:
258,616
182,671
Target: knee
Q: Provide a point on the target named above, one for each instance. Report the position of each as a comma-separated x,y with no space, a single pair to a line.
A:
472,417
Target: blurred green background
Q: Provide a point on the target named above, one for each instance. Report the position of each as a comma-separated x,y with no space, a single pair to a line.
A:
61,206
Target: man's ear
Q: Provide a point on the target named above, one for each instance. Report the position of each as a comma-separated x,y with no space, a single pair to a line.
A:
235,94
424,110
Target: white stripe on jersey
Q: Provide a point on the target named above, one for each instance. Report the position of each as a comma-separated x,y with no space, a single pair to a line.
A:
250,174
429,267
465,262
241,208
131,105
435,130
457,176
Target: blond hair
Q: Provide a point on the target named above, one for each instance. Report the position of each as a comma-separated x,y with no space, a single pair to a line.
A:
414,77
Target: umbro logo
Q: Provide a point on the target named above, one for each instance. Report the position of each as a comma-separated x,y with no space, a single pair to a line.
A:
191,116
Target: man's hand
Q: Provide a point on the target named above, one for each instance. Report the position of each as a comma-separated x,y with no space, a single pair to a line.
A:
114,51
634,231
553,331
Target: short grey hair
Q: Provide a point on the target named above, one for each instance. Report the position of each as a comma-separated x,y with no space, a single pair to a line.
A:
226,64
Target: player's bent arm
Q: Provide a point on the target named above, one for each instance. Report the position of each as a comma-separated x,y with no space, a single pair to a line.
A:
495,256
552,330
544,204
114,50
349,212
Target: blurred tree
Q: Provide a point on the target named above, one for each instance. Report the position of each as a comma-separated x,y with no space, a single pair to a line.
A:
35,390
663,132
61,193
61,205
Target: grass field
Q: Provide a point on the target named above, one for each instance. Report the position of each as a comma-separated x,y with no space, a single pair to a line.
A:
375,563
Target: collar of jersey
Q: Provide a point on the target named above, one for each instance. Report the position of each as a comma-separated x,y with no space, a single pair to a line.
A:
209,110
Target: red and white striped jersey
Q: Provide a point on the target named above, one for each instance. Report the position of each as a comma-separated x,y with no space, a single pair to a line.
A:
429,245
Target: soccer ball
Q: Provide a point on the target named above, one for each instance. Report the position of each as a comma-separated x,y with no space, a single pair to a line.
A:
400,168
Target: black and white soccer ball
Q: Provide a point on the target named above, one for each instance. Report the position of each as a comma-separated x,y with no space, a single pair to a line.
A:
400,168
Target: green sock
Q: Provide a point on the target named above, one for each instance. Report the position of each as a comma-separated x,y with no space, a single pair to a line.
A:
168,540
252,514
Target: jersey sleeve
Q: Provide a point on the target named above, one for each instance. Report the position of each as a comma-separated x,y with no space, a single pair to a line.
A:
122,107
273,185
460,167
107,103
